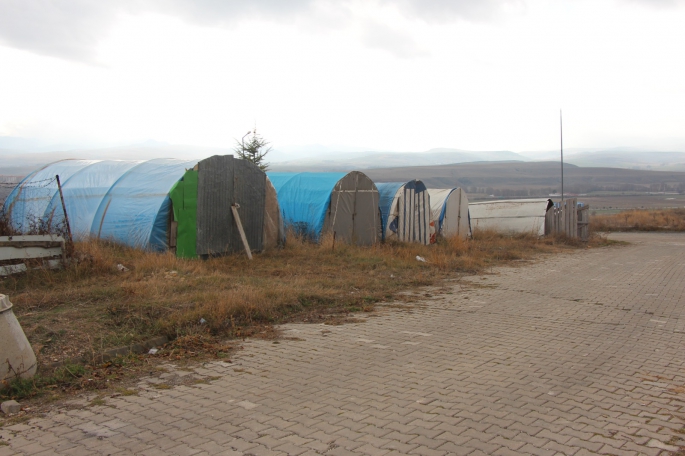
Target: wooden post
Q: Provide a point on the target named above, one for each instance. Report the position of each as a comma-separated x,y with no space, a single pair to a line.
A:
234,209
583,222
173,233
571,217
64,208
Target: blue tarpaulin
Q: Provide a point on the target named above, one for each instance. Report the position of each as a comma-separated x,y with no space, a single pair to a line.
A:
304,199
124,201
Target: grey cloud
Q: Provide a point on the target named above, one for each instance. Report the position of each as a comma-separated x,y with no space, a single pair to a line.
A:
71,29
450,10
218,12
67,29
397,42
658,3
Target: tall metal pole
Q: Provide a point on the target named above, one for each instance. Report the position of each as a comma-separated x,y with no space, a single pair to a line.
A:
64,208
561,133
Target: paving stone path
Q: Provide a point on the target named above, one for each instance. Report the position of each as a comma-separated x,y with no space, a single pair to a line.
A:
577,354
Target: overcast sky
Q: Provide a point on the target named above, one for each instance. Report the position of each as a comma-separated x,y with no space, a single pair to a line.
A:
404,75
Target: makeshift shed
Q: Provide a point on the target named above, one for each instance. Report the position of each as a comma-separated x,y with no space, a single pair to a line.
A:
405,211
511,216
450,212
129,201
206,200
316,203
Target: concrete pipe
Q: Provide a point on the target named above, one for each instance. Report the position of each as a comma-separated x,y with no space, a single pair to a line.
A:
16,355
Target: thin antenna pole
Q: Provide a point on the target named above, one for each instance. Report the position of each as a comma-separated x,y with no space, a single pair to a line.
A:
561,133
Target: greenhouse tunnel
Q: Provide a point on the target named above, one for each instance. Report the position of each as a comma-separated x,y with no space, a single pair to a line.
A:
130,202
345,204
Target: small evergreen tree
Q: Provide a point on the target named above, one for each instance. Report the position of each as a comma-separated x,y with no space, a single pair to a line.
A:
254,150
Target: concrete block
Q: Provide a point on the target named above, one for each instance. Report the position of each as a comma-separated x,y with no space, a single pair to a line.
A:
18,359
10,407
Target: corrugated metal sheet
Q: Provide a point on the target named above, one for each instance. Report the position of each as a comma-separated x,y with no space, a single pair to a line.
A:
510,216
249,188
215,195
222,182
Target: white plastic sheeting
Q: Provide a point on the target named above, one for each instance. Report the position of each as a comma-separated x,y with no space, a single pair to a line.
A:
450,212
511,216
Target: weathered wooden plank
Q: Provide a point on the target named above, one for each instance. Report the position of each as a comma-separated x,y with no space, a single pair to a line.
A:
236,217
25,244
33,237
401,203
173,233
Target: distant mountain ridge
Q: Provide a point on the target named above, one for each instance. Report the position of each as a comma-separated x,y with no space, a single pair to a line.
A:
371,160
19,156
608,158
537,178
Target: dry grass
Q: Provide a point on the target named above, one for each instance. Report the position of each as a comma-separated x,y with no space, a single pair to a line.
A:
91,305
640,220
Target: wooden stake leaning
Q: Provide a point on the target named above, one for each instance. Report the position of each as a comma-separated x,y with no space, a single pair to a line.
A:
64,208
234,209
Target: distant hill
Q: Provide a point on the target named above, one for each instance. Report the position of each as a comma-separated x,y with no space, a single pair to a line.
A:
618,158
535,178
7,184
368,160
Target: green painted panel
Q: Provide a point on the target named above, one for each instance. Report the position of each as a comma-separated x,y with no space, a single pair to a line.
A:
184,198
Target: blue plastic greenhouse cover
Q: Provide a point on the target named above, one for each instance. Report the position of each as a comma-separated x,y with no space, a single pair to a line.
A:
135,211
83,193
304,199
30,200
387,192
125,201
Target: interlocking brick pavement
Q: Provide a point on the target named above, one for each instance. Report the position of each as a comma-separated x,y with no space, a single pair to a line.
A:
581,353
